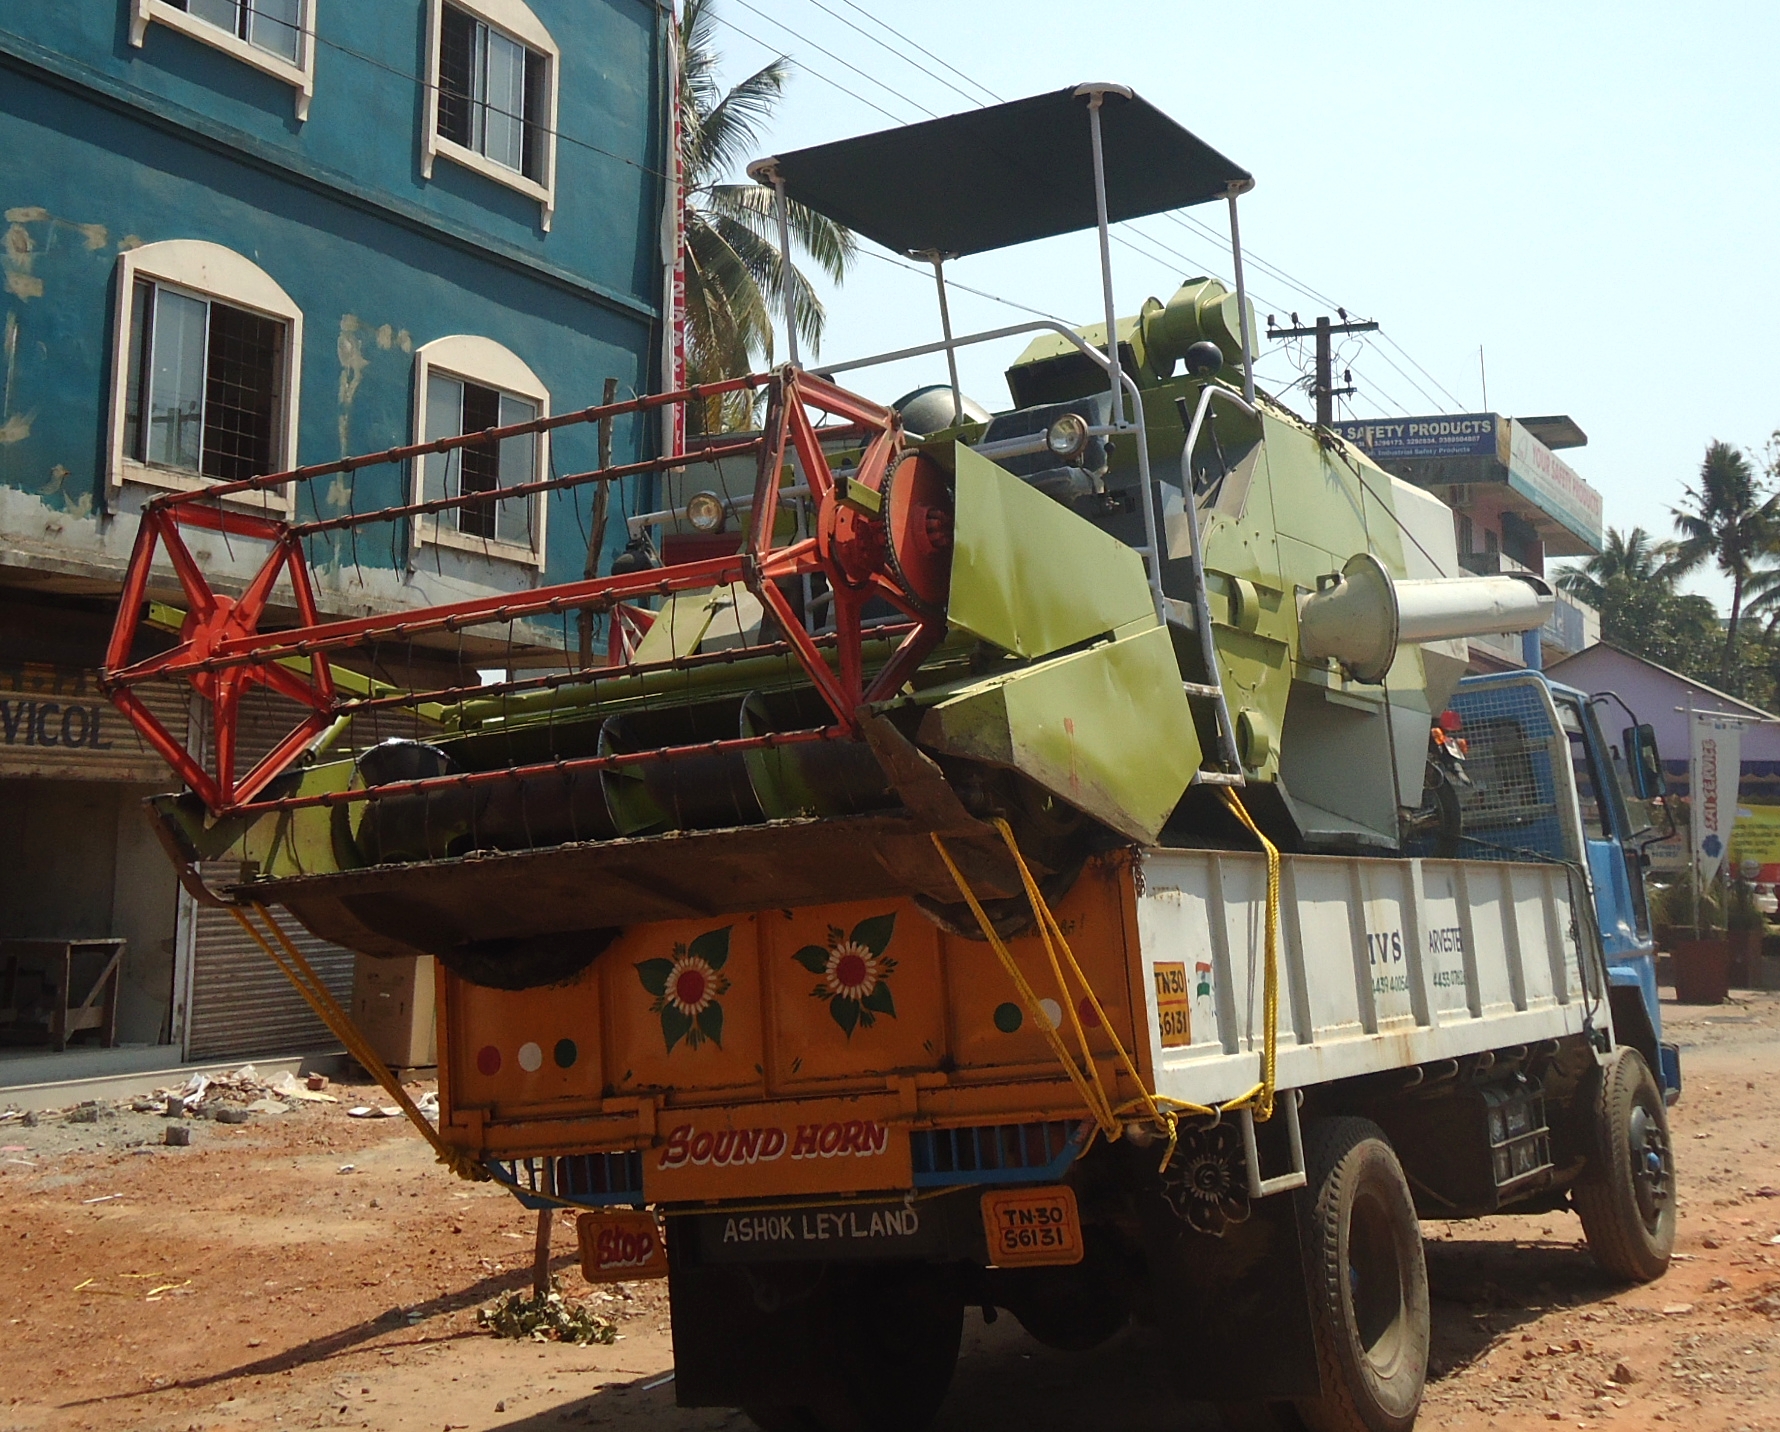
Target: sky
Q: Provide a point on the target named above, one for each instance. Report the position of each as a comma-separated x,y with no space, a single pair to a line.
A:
1589,193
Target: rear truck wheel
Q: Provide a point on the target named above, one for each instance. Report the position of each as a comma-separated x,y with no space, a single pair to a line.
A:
888,1339
1626,1194
1367,1281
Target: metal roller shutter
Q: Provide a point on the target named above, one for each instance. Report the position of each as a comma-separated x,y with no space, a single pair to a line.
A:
241,1005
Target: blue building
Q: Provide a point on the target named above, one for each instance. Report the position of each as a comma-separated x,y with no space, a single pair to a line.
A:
242,235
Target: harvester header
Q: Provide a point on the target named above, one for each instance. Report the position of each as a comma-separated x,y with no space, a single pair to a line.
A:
1079,615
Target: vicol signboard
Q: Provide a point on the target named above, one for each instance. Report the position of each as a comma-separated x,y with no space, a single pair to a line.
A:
56,723
1714,764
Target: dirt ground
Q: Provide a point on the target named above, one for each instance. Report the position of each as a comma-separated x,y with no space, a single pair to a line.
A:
312,1270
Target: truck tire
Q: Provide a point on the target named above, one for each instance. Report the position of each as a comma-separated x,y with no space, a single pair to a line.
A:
1626,1195
1367,1279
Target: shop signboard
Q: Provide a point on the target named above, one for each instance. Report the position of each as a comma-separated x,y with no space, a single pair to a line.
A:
1540,475
55,722
1755,843
1388,440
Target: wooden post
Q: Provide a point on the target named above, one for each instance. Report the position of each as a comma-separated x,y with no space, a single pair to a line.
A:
596,539
541,1252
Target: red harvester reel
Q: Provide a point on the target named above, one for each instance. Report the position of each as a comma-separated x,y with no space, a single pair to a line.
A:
882,531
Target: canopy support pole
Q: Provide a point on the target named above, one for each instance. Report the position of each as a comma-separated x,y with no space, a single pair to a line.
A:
1248,350
938,260
1097,97
771,171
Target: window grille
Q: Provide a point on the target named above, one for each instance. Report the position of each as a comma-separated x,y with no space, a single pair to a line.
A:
493,93
205,384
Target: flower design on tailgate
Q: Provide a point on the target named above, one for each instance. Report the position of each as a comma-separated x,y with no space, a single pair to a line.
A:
855,972
687,988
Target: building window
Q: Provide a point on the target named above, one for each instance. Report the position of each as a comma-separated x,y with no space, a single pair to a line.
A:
466,384
206,384
277,36
491,95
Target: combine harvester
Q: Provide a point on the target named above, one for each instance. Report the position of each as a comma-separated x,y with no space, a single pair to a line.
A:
1045,861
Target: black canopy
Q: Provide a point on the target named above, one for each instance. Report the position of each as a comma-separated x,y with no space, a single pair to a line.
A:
1007,174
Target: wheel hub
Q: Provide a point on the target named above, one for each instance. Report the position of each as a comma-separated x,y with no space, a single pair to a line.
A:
1649,1148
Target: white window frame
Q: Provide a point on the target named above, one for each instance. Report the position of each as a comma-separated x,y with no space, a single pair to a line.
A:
471,358
213,272
513,18
300,76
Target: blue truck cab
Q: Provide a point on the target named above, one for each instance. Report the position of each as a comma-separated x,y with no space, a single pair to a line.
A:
1544,780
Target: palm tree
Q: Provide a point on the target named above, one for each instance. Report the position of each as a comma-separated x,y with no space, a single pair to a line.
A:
734,269
1726,521
1631,583
1632,557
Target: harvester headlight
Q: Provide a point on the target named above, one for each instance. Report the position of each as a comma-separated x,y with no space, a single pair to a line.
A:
1067,437
706,513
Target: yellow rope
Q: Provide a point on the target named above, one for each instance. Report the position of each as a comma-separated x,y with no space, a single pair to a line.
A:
1260,1098
320,998
1087,1084
1162,1111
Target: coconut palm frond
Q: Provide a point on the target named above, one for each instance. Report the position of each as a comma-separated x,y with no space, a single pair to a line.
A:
734,269
831,245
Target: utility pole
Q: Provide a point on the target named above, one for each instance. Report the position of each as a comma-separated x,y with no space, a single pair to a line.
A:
1325,390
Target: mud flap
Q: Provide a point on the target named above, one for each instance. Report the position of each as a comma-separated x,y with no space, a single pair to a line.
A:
1234,1309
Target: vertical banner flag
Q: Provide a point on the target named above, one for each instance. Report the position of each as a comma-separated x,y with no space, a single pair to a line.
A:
673,256
1714,766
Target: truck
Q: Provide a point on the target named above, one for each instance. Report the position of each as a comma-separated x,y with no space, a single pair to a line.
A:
1047,861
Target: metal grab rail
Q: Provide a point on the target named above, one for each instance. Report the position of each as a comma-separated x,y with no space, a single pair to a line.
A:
1152,553
1201,597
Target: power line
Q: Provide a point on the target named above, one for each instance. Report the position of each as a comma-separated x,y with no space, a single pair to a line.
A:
1457,405
1185,222
729,24
966,288
415,79
1407,378
884,25
873,79
884,45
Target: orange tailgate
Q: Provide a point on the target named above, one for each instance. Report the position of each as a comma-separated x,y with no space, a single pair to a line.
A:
713,1041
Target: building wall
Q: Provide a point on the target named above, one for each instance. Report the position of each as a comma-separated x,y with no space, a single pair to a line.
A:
107,146
104,147
1657,697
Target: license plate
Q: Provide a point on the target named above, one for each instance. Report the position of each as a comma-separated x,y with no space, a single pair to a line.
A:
1028,1226
619,1245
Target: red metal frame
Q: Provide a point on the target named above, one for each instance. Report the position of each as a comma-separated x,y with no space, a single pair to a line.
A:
223,652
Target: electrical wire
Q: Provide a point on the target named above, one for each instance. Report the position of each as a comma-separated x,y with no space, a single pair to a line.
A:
952,283
814,73
885,25
1406,377
556,134
1138,241
852,25
845,64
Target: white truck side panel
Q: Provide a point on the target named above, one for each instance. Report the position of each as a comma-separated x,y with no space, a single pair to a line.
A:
1383,964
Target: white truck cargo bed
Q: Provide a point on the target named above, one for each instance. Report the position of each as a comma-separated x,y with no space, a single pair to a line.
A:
1383,964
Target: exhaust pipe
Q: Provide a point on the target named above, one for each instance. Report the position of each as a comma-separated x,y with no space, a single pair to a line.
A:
1361,614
